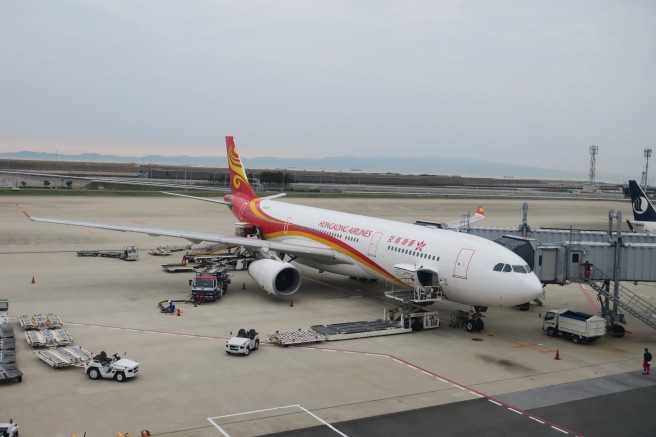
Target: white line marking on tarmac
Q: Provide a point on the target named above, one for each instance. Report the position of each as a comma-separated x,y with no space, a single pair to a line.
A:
222,431
537,420
442,379
514,411
558,429
495,402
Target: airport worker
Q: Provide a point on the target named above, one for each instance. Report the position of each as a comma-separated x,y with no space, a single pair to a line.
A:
646,362
171,308
586,269
184,259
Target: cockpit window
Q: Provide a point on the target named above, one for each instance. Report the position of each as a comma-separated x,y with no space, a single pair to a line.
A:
519,269
498,267
507,268
528,269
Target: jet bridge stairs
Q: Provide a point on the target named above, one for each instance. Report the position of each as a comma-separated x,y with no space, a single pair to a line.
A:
630,302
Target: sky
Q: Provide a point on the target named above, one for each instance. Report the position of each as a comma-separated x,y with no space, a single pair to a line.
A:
521,82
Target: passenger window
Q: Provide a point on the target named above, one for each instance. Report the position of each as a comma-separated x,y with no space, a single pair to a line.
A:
519,269
498,267
507,268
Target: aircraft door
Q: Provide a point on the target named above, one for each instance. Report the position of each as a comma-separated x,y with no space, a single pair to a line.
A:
547,261
574,268
462,263
286,229
373,244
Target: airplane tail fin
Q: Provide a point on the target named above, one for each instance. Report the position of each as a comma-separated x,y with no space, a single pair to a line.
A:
238,180
643,210
480,210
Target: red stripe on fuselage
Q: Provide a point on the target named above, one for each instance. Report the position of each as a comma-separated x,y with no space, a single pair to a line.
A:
272,228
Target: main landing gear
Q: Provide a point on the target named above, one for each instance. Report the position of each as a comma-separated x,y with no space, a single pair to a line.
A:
475,322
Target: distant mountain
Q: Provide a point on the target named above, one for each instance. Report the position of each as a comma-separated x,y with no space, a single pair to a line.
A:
403,165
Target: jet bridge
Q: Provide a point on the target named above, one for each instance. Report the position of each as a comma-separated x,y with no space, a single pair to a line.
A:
557,257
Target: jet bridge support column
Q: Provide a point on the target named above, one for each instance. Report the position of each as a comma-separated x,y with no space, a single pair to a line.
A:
613,318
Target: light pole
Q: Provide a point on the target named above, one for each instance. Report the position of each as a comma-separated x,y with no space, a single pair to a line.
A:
647,155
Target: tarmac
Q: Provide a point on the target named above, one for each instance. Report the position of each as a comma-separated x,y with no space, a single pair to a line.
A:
502,381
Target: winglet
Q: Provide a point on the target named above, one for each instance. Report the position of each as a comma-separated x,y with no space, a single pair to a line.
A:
24,212
480,210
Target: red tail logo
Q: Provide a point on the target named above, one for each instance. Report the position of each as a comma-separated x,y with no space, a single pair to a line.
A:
238,180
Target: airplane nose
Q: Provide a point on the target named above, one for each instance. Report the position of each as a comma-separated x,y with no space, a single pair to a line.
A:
533,287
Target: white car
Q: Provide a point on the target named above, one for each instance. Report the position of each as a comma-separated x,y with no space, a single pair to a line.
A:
102,366
243,343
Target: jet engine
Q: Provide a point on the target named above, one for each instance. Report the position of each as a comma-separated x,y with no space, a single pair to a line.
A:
276,277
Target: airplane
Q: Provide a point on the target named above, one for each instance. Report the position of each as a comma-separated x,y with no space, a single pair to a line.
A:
467,269
461,224
644,214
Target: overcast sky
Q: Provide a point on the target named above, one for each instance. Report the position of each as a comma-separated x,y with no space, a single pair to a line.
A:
524,82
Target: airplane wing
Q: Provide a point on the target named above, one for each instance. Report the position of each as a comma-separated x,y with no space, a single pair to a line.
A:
223,202
456,225
317,253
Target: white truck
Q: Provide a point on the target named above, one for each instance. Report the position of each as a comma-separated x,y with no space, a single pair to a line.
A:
579,326
243,343
115,367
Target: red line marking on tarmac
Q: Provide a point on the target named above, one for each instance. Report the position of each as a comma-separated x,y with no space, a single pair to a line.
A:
591,302
397,359
147,331
457,385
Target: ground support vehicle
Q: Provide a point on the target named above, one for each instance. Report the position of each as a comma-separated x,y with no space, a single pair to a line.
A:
129,253
64,356
243,343
166,250
580,327
8,369
4,312
39,321
210,285
177,268
48,337
8,429
411,316
114,367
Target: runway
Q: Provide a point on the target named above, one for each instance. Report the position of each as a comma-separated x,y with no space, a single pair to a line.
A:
503,381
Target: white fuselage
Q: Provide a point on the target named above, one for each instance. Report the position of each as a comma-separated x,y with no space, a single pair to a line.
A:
462,264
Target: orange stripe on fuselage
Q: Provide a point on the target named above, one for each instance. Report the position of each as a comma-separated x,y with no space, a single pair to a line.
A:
273,228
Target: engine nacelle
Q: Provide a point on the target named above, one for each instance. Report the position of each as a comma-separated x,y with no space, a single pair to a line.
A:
276,277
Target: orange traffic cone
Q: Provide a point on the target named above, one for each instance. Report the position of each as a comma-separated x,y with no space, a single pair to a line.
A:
33,280
557,357
291,304
243,287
